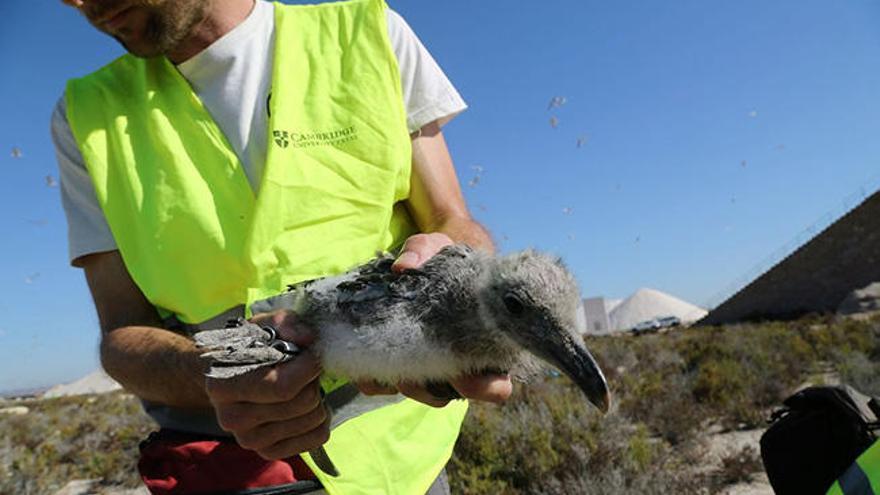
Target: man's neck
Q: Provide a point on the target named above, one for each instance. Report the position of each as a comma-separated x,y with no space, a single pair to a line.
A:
222,16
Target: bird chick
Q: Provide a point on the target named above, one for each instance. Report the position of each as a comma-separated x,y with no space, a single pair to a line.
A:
463,312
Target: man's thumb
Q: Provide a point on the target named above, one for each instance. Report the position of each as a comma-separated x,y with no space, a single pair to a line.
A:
407,260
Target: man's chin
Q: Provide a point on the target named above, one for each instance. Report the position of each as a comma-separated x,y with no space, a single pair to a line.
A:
144,52
139,49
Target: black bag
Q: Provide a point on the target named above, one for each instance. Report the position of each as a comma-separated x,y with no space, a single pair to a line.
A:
817,435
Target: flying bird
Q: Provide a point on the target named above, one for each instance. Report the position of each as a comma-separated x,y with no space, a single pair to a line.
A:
463,312
554,122
556,102
16,152
478,171
51,182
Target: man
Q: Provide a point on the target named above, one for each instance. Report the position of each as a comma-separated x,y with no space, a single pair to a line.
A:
179,211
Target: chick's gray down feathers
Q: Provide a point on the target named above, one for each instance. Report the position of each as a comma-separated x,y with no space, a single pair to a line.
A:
463,311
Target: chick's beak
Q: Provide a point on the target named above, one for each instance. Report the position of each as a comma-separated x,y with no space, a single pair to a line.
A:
583,370
573,359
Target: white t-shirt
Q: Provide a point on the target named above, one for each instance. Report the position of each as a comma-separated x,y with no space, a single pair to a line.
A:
232,78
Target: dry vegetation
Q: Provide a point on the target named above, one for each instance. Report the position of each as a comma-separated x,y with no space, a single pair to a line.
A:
71,438
669,391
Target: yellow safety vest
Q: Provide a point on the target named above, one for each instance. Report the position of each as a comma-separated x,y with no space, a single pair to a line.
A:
862,477
198,241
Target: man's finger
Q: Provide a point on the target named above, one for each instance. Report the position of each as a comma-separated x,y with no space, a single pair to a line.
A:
269,434
242,416
73,3
419,393
372,387
296,445
420,248
279,383
407,261
489,388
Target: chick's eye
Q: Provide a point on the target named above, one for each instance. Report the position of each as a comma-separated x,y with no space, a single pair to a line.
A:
513,304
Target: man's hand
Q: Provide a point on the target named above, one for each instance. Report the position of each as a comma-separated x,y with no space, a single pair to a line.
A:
490,387
277,412
418,248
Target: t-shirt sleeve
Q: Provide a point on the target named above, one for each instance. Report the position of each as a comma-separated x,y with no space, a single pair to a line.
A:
87,229
427,92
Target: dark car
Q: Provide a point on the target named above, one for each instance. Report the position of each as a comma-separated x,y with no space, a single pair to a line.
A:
669,321
647,326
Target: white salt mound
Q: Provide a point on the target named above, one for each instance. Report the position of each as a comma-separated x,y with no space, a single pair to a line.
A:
647,304
96,382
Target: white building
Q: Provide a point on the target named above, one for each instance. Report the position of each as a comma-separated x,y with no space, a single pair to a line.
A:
604,316
596,313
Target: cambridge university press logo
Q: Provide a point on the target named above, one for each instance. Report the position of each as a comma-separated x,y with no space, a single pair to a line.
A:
310,139
281,138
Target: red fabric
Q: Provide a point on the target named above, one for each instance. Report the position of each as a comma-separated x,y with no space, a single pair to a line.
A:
176,462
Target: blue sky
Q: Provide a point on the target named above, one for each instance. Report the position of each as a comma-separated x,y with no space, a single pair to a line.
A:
716,132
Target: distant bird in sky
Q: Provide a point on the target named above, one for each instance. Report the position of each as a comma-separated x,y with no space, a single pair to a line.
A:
582,140
780,147
554,122
753,114
50,181
567,210
556,102
743,163
478,169
30,279
16,152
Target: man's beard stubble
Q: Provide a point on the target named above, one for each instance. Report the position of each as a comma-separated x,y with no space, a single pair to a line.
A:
167,23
